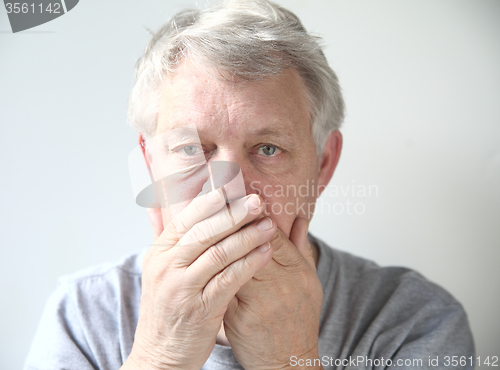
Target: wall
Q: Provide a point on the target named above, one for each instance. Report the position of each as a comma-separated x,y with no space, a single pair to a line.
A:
422,138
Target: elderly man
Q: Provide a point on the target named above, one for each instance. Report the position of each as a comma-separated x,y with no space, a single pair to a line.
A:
233,279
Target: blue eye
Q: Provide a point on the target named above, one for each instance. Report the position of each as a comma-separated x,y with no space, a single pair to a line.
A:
269,150
190,150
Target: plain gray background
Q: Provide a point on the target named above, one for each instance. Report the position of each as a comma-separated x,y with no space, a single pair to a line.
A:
422,85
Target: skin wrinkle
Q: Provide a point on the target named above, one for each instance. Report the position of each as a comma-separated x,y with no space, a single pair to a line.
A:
234,119
225,111
231,118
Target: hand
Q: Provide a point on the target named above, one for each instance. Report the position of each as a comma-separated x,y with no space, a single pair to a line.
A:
276,314
190,274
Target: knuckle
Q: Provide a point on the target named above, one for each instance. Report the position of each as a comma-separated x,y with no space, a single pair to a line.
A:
196,205
218,254
276,238
246,236
247,265
179,226
224,279
227,216
276,241
201,232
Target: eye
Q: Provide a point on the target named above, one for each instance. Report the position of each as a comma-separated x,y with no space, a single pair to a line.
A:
269,150
189,151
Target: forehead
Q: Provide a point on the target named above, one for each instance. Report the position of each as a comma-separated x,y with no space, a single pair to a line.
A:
193,95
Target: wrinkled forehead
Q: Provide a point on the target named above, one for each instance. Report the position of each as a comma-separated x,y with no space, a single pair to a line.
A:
193,95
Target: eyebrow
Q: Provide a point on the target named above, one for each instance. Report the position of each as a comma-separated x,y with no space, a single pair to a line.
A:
277,131
177,134
282,135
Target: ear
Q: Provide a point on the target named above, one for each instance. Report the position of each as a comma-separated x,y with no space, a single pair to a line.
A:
154,214
329,159
142,144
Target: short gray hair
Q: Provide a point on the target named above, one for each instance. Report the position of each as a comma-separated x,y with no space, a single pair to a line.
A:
250,40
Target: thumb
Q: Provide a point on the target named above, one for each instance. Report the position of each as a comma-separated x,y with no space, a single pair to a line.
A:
298,236
156,220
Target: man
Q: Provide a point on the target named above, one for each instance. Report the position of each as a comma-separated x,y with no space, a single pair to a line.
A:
233,280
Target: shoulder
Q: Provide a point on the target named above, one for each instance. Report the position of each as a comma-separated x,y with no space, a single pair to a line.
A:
128,266
90,318
103,285
102,294
360,276
378,308
106,276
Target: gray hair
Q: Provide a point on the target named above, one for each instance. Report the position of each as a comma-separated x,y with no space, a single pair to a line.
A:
250,40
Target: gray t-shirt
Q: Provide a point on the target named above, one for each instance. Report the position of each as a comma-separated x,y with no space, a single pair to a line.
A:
371,317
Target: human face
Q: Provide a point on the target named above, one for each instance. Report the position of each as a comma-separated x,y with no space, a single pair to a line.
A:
263,126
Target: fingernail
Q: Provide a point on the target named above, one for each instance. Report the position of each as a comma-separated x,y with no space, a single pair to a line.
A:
214,197
252,203
264,248
265,224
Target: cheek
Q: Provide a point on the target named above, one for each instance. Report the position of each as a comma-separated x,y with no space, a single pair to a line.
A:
177,193
287,200
282,211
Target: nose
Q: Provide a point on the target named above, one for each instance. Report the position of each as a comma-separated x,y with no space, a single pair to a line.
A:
228,153
226,172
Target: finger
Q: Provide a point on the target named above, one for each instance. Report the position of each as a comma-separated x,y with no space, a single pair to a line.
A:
285,252
286,263
199,209
285,256
232,248
298,236
222,288
156,220
215,228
